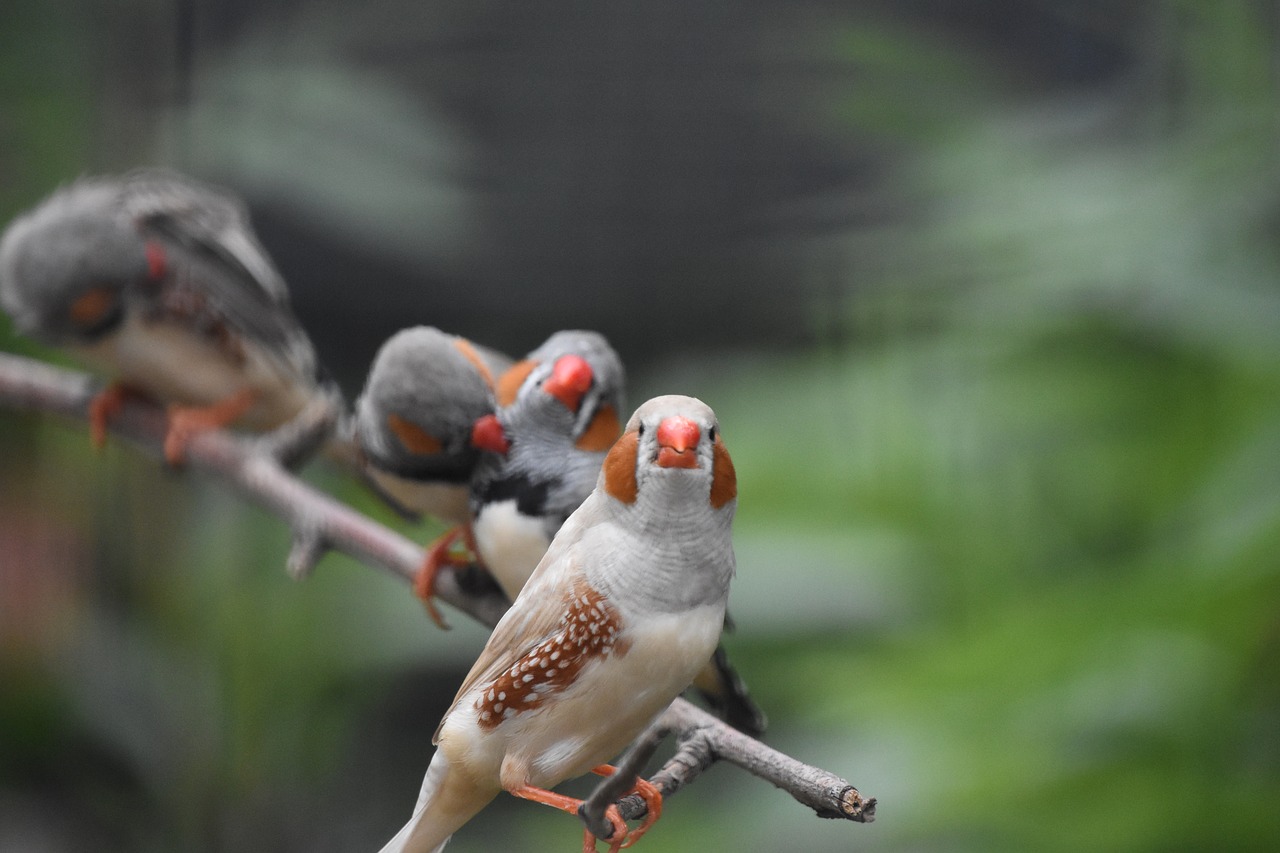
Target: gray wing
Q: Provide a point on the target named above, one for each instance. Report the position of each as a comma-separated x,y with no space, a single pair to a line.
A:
209,228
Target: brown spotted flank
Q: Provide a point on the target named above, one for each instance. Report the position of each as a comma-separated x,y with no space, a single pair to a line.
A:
589,629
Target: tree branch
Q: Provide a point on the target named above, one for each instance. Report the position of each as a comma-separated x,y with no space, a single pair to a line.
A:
705,739
320,524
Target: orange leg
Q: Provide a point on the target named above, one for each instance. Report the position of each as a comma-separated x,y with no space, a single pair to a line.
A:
185,422
571,805
438,556
648,792
105,405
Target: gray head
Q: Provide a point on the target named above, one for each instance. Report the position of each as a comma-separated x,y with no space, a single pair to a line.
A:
673,442
423,395
574,383
670,476
68,265
73,266
561,415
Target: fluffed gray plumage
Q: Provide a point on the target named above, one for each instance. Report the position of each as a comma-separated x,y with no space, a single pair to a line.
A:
158,281
414,418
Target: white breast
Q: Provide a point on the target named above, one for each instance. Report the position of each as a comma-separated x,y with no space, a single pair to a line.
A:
510,544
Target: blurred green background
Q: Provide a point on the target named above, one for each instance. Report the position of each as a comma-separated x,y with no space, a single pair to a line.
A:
984,293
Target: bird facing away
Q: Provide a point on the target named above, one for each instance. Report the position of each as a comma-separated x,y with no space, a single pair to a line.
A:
158,281
622,611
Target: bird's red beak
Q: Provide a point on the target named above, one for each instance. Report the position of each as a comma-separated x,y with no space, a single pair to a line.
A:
488,434
570,378
678,442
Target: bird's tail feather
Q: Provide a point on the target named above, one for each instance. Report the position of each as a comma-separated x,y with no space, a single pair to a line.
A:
447,801
726,693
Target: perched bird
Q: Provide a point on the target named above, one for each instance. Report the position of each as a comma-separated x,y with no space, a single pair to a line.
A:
158,281
413,425
558,416
413,421
622,611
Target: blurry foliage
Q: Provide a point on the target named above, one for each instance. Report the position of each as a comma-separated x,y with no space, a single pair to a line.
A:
1007,534
46,97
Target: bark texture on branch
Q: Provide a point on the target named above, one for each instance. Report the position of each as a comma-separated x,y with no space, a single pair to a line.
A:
320,523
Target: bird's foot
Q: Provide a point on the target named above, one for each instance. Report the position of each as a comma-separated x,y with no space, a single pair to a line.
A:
616,841
440,554
648,792
619,836
104,407
185,422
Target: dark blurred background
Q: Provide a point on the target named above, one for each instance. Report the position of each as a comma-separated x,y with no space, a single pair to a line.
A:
985,294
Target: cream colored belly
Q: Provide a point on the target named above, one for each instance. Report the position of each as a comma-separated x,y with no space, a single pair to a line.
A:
598,716
445,501
176,367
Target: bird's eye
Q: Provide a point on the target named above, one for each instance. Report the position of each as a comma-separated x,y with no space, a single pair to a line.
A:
640,430
711,435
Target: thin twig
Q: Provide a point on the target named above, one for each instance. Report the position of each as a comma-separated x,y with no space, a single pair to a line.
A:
611,789
309,546
705,739
321,523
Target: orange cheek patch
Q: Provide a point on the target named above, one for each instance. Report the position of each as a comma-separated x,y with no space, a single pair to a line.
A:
469,353
413,437
724,480
511,381
92,307
620,468
601,433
